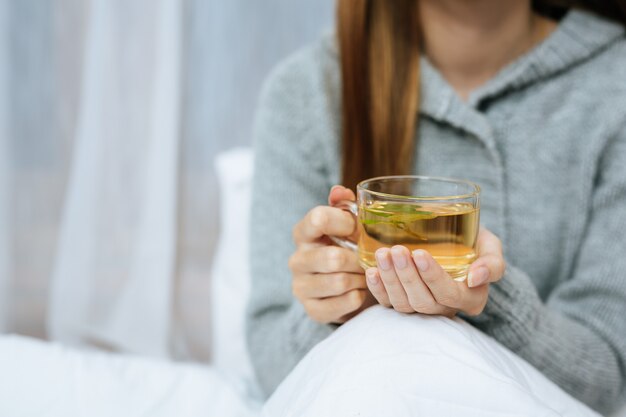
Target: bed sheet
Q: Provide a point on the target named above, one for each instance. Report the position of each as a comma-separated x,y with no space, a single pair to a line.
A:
362,369
46,379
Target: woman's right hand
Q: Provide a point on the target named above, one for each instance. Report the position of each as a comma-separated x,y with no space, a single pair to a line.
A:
327,279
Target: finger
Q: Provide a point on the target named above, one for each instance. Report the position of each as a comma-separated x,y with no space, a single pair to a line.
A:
488,243
418,294
307,286
444,289
376,287
333,309
368,302
490,265
325,259
476,299
322,221
395,291
338,193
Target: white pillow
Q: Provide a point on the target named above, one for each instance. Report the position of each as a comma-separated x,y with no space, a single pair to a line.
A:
230,281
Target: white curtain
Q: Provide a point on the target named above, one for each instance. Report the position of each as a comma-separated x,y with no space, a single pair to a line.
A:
115,259
111,113
5,171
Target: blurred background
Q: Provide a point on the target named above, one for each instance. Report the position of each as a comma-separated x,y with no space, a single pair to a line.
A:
111,115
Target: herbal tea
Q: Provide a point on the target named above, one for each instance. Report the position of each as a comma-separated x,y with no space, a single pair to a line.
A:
446,230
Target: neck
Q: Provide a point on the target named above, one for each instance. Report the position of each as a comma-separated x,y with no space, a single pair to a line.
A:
470,41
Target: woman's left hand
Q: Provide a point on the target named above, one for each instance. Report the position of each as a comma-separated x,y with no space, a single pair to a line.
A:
414,282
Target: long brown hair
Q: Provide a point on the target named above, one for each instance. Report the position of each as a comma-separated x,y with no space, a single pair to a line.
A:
380,48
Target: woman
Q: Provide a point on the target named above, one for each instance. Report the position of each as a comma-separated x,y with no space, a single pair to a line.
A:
527,100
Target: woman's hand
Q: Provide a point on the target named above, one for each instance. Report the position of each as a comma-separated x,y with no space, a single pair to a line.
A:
327,279
416,283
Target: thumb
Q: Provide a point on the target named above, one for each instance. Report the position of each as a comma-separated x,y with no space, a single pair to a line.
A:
338,193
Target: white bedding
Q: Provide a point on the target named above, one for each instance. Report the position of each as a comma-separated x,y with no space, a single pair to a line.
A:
383,363
45,379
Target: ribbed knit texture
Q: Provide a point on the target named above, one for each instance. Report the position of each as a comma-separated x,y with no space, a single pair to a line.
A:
545,139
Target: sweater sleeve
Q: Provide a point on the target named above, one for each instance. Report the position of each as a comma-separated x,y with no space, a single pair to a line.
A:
289,180
577,338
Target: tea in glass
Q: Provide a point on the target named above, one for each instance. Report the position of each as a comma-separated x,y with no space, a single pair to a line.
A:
446,230
438,215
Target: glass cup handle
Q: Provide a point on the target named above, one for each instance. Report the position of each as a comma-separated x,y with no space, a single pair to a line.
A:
353,208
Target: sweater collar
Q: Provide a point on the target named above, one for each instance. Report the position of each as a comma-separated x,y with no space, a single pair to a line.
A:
579,36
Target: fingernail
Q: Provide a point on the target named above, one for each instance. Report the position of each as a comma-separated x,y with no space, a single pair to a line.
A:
383,259
371,276
420,260
478,277
399,258
335,186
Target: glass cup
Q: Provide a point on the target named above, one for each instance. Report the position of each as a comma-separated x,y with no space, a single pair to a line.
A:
438,215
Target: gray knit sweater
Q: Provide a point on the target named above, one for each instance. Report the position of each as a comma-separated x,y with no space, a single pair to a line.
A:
546,141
